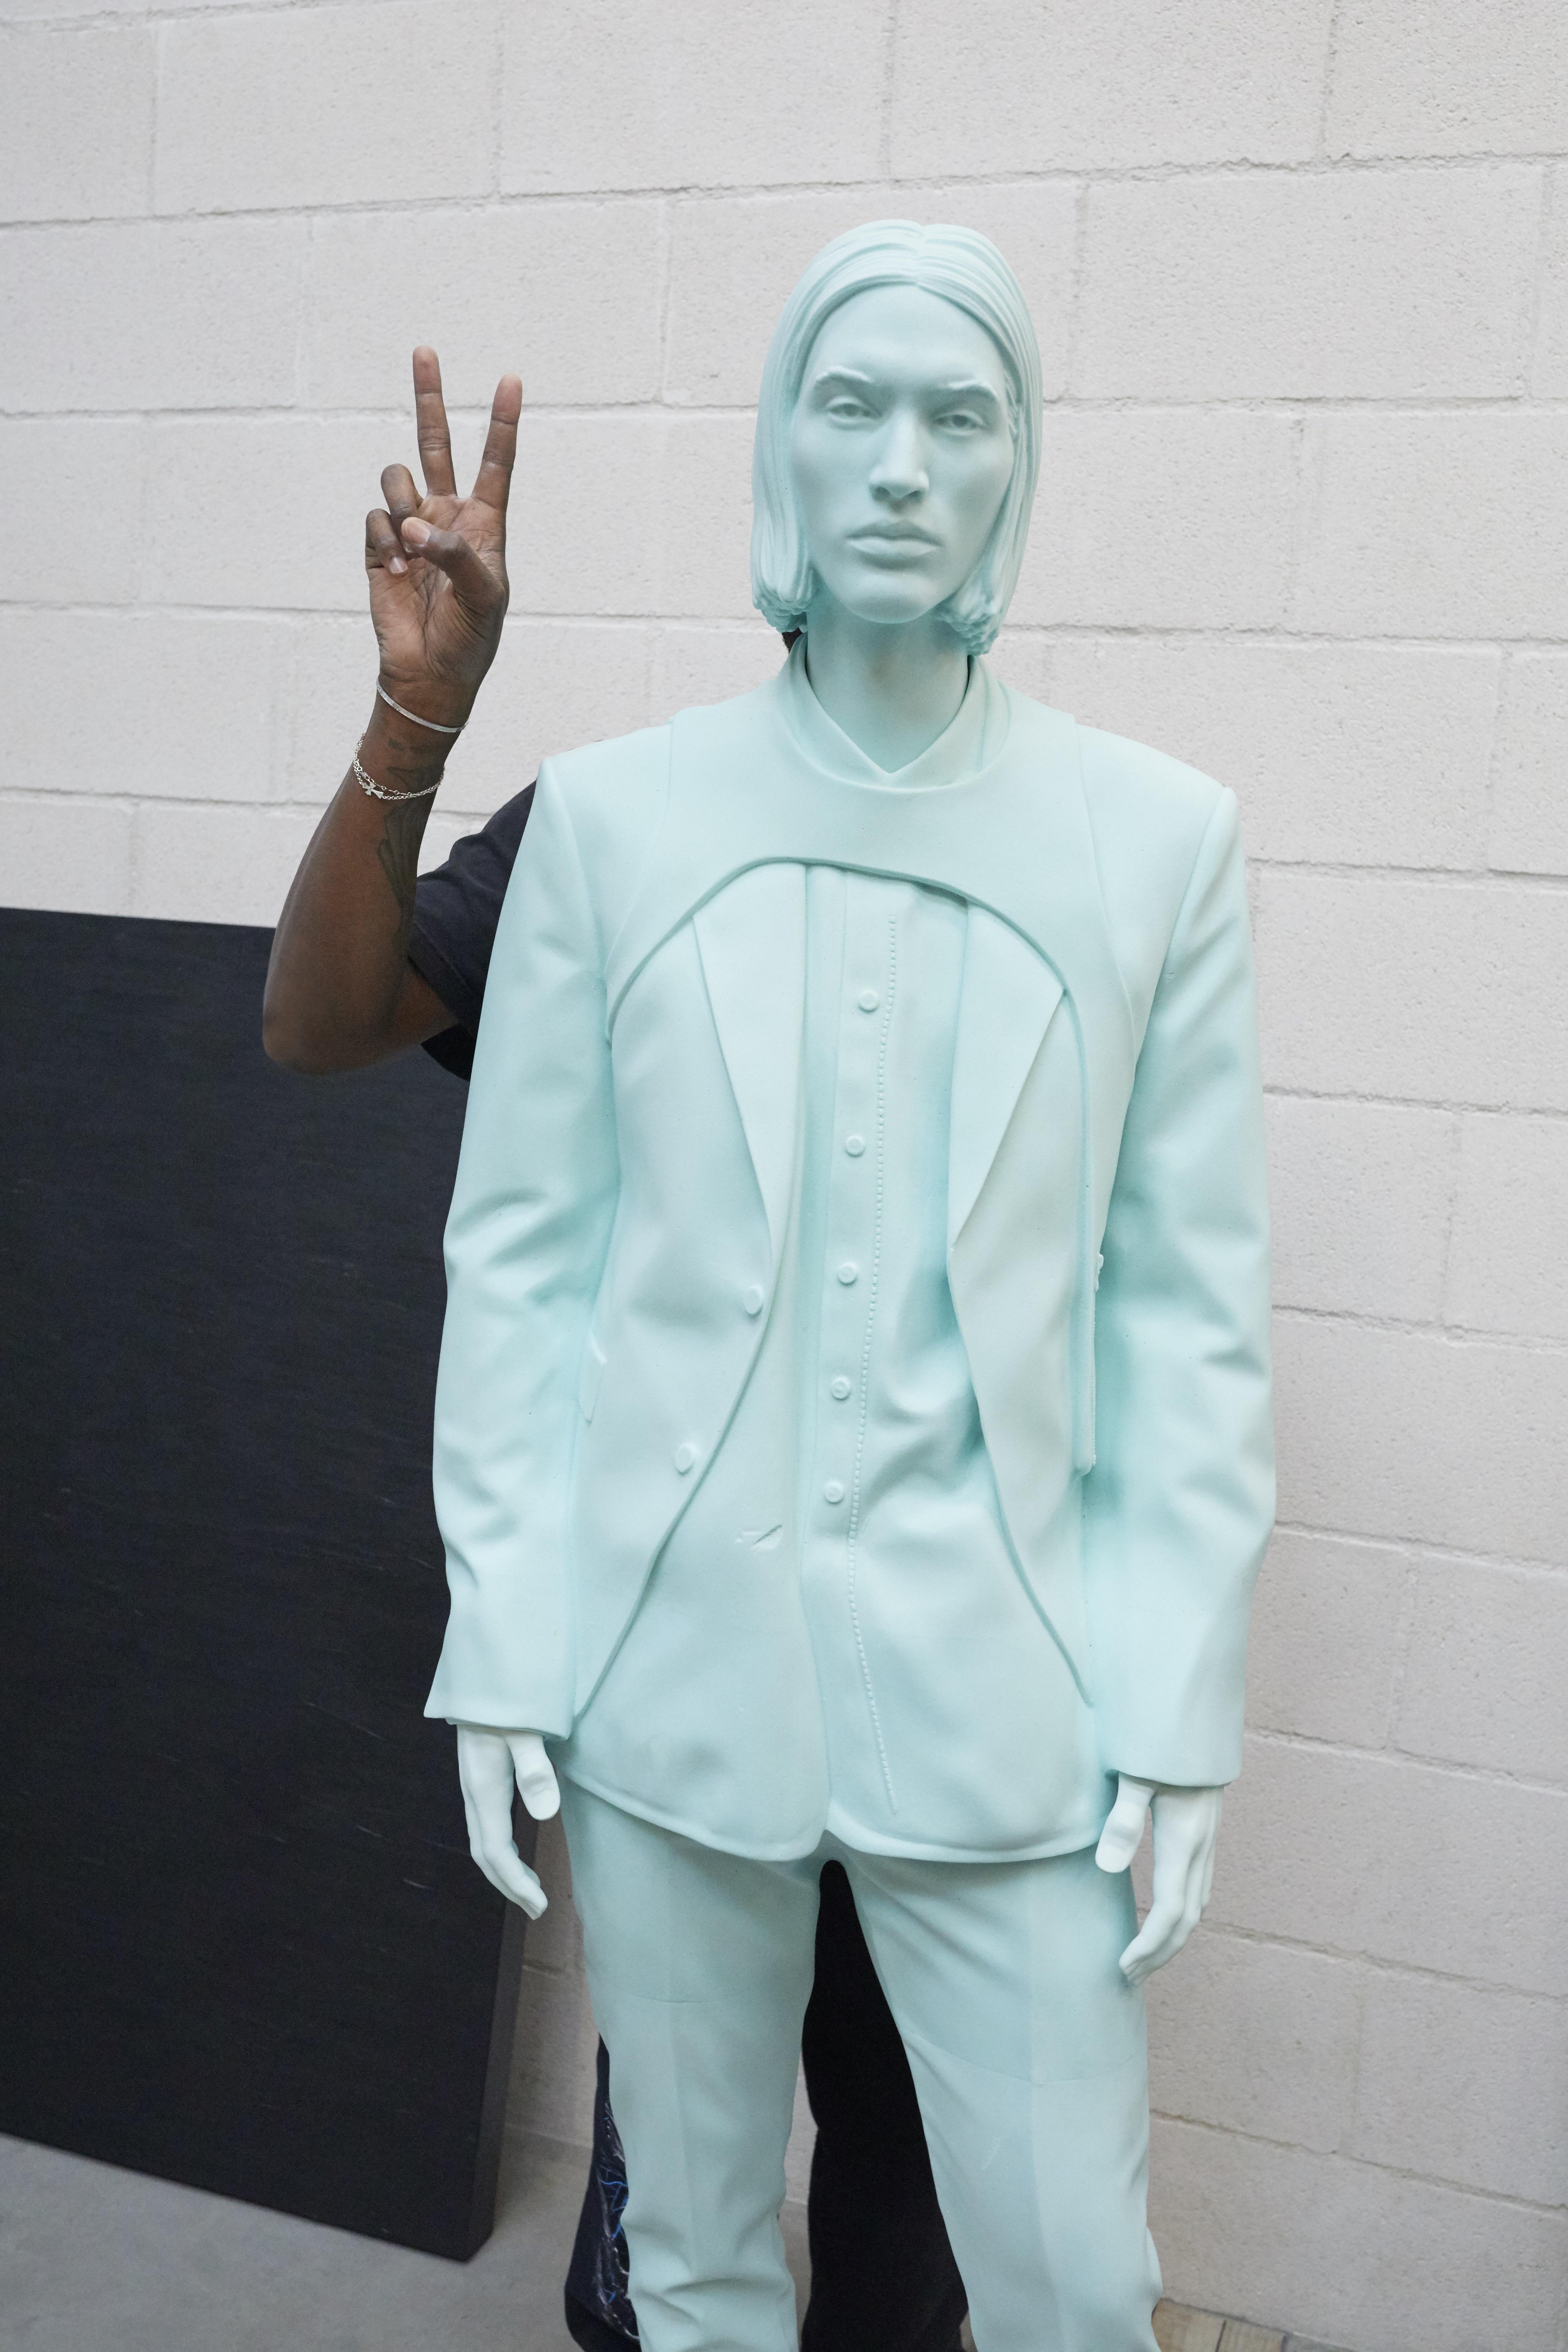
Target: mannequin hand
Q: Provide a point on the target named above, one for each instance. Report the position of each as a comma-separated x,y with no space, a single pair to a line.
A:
488,1763
1186,1823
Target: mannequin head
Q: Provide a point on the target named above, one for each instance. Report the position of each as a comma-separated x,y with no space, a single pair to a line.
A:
897,434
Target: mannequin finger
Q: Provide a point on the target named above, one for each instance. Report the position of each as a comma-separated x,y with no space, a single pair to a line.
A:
1172,1915
1147,1950
382,548
537,1785
505,1868
478,1854
1123,1833
1207,1889
476,1838
484,1775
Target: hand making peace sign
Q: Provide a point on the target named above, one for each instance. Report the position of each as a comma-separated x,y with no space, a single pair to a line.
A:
436,564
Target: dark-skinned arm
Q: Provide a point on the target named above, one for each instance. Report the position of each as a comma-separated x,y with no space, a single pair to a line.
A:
340,992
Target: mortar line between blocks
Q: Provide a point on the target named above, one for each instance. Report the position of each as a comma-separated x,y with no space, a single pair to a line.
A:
1443,1768
919,184
1376,1963
1364,2164
1447,1554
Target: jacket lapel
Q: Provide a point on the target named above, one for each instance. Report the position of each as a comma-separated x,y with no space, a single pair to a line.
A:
752,940
1009,996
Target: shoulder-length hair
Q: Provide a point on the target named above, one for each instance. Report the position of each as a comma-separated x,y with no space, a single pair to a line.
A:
966,269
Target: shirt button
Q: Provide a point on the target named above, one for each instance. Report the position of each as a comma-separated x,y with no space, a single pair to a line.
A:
840,1387
754,1299
853,1145
834,1491
684,1455
868,1000
849,1272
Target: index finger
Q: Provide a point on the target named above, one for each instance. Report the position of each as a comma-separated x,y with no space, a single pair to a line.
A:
493,480
430,425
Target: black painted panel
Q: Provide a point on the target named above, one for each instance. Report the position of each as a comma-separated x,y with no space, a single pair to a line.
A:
241,1942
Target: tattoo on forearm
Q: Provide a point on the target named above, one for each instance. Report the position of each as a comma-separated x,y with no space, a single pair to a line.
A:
398,852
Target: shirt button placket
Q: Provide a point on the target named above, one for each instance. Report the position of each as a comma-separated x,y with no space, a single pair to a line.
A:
848,1299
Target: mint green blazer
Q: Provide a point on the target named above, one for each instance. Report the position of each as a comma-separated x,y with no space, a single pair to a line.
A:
630,1151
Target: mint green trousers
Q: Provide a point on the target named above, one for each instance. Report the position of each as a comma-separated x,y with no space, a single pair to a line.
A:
1026,2046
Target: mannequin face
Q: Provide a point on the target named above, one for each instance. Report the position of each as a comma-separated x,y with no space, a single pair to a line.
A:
900,451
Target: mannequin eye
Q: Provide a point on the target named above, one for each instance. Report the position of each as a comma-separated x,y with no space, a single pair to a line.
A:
846,410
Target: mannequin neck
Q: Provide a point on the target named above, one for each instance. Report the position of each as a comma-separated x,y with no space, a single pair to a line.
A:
892,687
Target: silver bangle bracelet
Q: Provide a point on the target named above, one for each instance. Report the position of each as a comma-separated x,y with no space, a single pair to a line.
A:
379,792
433,723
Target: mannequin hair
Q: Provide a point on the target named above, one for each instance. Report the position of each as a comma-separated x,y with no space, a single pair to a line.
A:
964,269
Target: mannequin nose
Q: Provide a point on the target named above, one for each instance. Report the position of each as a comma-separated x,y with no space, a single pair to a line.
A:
899,471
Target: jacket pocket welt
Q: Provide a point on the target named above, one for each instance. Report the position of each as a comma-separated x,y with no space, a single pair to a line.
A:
594,1360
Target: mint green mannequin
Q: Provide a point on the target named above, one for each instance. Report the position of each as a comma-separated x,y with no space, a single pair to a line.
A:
903,458
887,667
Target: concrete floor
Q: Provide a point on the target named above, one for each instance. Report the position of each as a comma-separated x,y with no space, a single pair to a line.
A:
95,2260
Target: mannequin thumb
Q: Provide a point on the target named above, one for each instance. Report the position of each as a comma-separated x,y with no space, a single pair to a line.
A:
1123,1833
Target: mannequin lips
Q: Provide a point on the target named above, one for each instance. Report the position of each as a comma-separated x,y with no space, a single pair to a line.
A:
893,542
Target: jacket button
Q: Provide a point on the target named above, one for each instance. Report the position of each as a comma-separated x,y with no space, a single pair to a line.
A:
840,1387
853,1145
834,1491
684,1455
754,1299
849,1272
868,1000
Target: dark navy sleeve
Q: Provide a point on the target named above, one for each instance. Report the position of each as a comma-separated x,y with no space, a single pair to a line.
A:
456,909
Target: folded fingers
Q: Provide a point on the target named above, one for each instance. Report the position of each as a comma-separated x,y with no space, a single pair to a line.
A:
383,548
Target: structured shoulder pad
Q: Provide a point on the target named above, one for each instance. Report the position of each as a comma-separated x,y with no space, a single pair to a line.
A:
1142,799
1149,815
613,794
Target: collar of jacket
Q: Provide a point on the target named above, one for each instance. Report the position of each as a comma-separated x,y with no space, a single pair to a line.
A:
1014,840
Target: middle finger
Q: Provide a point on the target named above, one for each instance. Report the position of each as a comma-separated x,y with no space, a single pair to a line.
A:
430,425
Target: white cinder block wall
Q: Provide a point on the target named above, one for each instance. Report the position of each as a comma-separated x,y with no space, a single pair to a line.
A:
1300,272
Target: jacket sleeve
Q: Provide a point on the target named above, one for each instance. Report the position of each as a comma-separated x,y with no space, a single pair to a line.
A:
1179,1506
526,1241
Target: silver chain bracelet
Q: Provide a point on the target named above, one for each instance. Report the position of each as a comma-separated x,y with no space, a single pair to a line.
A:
379,792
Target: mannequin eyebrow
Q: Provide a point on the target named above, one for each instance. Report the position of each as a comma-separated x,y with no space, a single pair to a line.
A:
846,376
856,380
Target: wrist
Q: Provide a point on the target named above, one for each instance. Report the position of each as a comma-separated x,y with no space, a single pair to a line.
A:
400,755
445,704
